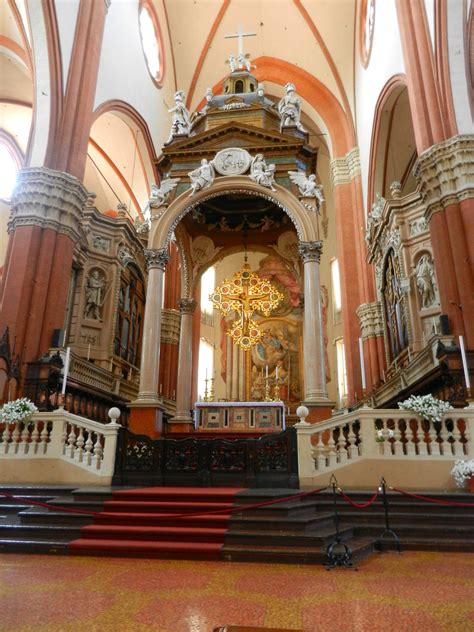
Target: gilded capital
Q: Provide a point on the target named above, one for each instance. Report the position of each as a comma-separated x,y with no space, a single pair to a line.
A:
187,305
311,251
157,258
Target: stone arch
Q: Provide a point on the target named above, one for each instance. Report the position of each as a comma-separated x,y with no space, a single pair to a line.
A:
305,221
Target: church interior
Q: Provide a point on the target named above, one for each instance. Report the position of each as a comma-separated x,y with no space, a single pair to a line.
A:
236,279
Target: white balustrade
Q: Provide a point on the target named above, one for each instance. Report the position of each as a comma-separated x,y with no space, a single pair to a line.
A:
62,435
382,434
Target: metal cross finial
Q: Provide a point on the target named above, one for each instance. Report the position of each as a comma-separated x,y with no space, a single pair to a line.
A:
240,35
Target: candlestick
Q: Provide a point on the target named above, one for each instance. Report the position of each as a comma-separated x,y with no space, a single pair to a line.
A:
362,364
66,370
276,373
266,371
464,362
267,390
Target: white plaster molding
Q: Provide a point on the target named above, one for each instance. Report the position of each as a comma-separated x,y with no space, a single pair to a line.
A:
445,173
49,199
345,168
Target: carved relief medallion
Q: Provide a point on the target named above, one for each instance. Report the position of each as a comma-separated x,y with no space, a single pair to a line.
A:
232,162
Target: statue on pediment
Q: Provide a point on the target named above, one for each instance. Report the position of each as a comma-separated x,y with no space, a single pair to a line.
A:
202,177
307,185
289,108
181,123
261,173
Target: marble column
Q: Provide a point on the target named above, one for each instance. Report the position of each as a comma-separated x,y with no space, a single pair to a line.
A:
313,344
185,361
149,368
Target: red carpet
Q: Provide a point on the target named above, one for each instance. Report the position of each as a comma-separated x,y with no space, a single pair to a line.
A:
147,522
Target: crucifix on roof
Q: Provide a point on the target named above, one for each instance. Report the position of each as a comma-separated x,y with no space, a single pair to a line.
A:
242,60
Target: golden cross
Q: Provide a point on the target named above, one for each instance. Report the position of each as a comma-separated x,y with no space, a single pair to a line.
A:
245,293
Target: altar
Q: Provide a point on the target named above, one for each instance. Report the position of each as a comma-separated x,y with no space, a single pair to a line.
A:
237,417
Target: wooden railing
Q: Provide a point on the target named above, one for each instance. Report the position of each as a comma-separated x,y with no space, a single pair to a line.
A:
61,435
383,434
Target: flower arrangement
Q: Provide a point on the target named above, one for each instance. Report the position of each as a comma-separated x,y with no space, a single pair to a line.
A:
380,435
17,410
462,471
426,406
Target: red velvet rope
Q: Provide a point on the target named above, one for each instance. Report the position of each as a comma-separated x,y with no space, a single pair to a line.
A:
359,505
28,501
438,501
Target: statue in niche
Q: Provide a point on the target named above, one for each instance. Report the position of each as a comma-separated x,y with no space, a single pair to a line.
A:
307,185
397,331
261,173
202,177
181,123
289,108
94,292
425,281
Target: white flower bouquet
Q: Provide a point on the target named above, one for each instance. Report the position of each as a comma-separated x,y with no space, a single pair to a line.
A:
462,471
381,434
17,410
426,406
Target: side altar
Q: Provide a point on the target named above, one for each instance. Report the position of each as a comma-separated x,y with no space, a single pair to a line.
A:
245,417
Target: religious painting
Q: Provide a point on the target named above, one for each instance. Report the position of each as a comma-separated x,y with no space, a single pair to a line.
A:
284,278
277,352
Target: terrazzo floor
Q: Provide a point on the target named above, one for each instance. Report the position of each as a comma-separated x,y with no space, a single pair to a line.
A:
390,592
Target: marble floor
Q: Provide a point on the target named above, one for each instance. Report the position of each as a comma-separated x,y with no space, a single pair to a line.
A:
390,592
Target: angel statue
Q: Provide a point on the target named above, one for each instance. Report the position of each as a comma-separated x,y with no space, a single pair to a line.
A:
181,123
307,185
261,173
160,193
202,177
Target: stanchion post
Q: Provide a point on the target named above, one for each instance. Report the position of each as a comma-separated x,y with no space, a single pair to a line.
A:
387,530
338,553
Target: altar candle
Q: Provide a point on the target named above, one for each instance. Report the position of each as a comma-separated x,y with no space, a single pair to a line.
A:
362,364
266,371
66,369
464,362
276,373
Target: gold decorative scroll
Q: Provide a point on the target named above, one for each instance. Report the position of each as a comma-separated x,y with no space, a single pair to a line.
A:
245,293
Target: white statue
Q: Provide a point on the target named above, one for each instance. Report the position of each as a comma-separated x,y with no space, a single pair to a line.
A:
425,281
307,185
160,193
244,62
289,108
181,123
202,177
232,62
209,96
261,173
94,290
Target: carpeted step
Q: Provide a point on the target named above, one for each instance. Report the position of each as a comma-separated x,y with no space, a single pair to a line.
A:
172,507
174,534
147,548
179,494
155,519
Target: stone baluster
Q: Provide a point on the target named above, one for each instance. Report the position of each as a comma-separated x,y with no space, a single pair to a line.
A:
88,447
457,445
79,451
397,443
331,449
320,453
25,436
187,307
16,438
149,366
341,446
98,452
64,437
313,342
35,438
444,445
410,437
71,441
434,447
423,445
7,434
351,442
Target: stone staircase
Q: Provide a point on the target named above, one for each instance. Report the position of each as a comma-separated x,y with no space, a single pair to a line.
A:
296,531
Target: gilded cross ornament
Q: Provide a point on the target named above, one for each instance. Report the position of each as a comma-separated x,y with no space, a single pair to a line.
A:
245,293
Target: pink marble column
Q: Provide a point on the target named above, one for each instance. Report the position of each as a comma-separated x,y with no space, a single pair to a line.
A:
156,263
185,361
313,344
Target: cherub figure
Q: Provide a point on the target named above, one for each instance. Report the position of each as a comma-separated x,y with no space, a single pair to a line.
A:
307,185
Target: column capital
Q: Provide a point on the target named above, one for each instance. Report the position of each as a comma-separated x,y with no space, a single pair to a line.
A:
187,305
156,258
370,319
49,199
445,173
311,251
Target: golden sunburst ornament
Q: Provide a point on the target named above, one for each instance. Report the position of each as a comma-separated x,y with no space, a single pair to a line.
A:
245,293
